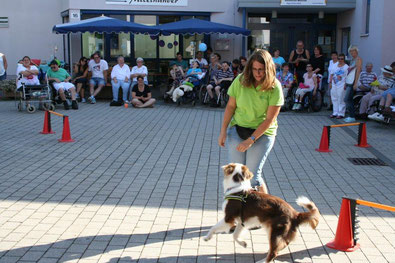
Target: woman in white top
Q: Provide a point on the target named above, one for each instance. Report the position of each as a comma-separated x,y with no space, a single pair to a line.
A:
332,66
338,80
120,77
3,67
27,73
139,70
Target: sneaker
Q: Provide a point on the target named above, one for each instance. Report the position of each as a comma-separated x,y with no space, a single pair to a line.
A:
349,119
126,102
299,107
74,105
77,96
66,105
373,116
294,106
83,100
90,99
93,100
377,117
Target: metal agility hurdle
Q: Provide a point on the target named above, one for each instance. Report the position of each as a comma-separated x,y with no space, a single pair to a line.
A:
346,232
66,136
326,136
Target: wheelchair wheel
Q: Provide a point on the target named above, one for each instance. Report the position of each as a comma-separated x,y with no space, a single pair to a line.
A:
19,106
30,108
316,103
357,102
224,99
51,107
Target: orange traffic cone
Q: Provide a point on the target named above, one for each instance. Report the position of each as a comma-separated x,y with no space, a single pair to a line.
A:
362,136
344,239
66,136
324,144
47,124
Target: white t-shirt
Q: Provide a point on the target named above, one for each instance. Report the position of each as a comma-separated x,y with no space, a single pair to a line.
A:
120,73
30,80
339,76
331,67
140,70
202,62
97,68
2,69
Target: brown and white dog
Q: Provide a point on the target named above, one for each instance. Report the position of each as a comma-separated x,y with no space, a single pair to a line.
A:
247,208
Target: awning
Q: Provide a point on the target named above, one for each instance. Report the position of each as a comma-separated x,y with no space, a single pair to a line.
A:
197,26
104,24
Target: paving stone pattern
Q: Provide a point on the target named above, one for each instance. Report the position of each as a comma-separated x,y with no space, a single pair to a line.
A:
144,185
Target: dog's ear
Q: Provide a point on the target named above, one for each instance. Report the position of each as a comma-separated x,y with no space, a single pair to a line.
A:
247,173
229,168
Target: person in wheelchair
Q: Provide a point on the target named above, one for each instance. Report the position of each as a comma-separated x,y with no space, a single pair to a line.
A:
366,78
177,76
61,83
194,74
27,73
286,78
192,80
309,85
222,80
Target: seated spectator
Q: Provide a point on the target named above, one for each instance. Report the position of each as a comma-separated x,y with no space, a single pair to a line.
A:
194,73
277,59
384,92
286,78
27,73
62,83
99,68
338,84
243,63
81,77
139,70
179,61
120,78
203,64
177,74
222,80
141,94
366,77
309,84
235,67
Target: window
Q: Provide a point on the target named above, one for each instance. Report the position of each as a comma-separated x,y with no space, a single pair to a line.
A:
367,17
168,45
92,42
3,21
119,43
145,45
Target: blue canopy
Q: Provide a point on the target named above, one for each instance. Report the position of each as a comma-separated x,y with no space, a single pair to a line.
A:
104,24
197,26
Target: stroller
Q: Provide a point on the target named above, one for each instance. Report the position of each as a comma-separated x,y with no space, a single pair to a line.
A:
33,97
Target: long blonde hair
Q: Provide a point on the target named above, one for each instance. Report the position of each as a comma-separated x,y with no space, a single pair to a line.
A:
263,57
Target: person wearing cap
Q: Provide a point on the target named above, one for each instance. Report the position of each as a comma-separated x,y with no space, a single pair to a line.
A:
139,70
381,91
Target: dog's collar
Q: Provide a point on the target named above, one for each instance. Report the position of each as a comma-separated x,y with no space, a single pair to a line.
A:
240,197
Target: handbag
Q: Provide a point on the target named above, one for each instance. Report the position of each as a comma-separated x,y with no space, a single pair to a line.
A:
350,77
244,133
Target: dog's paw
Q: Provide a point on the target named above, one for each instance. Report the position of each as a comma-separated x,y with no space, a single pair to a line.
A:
206,238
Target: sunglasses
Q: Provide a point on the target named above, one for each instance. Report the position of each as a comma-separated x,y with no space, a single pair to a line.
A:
341,58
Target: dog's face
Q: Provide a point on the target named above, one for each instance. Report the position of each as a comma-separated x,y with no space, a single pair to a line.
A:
235,173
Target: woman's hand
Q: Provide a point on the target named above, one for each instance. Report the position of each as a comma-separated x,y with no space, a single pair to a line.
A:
244,145
222,139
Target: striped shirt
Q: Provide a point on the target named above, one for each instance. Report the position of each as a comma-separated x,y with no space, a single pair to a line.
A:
366,78
220,74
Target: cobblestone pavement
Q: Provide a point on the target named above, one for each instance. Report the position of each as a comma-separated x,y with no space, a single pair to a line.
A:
144,185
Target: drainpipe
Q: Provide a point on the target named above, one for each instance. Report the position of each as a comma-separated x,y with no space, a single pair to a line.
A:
243,43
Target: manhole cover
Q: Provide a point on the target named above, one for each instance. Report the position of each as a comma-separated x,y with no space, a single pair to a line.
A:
367,161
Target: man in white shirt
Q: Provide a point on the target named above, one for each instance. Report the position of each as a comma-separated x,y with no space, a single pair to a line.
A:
99,68
139,70
120,77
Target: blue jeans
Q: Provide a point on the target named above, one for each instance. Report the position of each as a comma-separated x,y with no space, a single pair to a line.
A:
4,76
97,81
115,89
254,158
348,99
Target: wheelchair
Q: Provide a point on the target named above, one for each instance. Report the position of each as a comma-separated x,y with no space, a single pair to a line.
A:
310,102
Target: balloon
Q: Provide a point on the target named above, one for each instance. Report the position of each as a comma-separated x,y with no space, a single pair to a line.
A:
161,43
175,43
202,47
170,45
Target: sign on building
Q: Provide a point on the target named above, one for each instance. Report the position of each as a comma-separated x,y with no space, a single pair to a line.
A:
303,2
149,2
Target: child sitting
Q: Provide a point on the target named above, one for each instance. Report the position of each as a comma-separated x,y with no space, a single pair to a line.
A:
309,84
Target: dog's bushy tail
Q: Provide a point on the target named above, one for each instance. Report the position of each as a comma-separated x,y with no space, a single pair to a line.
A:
311,217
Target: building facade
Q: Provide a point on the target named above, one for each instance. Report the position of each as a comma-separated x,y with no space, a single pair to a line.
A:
26,28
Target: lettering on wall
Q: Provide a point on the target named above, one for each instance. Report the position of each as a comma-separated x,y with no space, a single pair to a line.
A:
149,2
304,2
